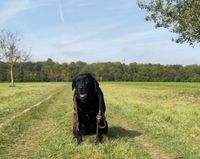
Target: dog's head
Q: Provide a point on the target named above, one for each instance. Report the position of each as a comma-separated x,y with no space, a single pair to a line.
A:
85,85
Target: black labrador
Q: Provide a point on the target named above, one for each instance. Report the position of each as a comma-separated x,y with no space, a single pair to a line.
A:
89,108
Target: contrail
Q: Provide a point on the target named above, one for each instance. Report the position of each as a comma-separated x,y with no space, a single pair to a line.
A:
61,12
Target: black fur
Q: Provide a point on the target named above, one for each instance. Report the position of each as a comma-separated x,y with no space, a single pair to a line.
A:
87,99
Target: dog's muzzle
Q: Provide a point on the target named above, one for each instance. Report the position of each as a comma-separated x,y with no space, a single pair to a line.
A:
83,95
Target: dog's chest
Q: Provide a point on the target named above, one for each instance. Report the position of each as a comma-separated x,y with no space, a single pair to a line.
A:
88,107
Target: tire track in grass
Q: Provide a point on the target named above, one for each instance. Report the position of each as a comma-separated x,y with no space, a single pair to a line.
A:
30,139
147,143
24,111
39,128
38,132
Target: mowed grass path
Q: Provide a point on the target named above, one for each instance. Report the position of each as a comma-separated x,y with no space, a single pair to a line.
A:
146,120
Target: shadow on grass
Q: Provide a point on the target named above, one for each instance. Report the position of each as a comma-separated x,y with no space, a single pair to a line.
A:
117,132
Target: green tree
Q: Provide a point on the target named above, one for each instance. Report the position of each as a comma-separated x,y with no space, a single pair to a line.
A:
3,71
73,70
179,16
64,72
195,78
50,71
19,72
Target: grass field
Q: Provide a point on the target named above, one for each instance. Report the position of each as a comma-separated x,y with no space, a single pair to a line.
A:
146,120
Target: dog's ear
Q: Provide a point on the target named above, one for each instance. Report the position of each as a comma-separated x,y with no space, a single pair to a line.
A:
96,85
73,84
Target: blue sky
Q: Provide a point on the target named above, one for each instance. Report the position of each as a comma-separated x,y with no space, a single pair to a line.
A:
92,31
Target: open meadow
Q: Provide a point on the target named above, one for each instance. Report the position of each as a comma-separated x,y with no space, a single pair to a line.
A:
146,120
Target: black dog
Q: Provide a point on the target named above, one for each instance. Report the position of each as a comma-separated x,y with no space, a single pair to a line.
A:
89,108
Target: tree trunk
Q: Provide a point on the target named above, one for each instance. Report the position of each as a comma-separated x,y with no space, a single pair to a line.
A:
11,76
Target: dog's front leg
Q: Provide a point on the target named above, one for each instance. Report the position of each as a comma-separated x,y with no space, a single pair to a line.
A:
79,138
77,135
98,134
76,128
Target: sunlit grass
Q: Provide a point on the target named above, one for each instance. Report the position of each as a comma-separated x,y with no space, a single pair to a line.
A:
46,132
168,113
16,99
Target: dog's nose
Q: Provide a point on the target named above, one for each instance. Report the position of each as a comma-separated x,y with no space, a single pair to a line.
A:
81,89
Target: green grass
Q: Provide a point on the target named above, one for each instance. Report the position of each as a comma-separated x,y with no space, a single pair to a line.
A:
168,114
16,99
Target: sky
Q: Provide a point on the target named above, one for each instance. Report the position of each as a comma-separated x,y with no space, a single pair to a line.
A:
92,31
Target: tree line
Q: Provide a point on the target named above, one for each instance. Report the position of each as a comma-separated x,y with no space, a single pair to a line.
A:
50,71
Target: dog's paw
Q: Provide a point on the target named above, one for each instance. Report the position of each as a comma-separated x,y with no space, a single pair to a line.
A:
98,140
79,140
